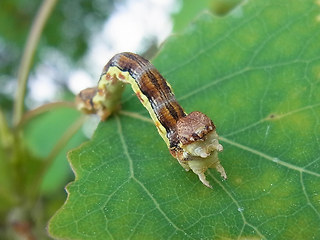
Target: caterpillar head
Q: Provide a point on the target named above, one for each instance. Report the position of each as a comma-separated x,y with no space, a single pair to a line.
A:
197,135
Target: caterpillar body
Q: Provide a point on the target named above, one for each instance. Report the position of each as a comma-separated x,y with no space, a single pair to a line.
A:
191,138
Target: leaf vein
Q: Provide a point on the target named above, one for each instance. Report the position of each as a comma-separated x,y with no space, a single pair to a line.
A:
245,222
307,197
276,117
132,176
272,159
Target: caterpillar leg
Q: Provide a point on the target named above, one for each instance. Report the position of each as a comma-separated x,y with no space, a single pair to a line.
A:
199,145
85,103
184,165
203,179
221,170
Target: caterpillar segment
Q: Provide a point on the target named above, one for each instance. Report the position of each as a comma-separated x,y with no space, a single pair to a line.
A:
191,138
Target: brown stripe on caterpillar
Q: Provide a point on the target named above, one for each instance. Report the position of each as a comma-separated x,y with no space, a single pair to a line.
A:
161,102
191,138
128,62
153,86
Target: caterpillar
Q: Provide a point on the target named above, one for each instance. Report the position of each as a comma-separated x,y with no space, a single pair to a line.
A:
191,138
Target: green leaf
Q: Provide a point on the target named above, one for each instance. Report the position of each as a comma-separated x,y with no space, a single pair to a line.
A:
256,73
188,12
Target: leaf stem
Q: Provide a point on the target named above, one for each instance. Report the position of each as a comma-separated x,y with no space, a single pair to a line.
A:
41,109
61,143
28,54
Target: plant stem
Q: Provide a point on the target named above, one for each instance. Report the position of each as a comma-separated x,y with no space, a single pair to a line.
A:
61,143
28,54
42,109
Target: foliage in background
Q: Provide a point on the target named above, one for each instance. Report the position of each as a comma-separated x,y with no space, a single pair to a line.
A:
256,73
63,33
33,167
